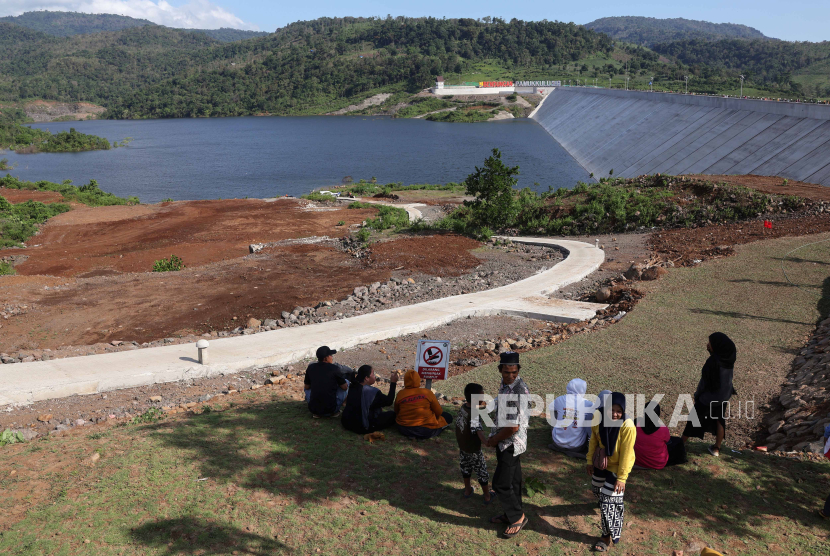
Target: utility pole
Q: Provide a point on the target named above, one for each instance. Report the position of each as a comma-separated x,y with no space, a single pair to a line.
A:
687,83
651,84
742,86
609,82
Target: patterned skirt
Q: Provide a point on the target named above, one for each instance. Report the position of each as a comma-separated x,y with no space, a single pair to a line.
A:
611,507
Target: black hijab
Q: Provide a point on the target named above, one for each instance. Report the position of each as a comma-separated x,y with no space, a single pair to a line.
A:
609,434
723,355
650,426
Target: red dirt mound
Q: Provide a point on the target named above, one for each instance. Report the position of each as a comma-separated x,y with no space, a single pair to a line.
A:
107,240
15,196
773,185
441,255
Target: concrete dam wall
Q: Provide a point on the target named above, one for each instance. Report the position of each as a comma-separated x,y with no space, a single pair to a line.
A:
636,132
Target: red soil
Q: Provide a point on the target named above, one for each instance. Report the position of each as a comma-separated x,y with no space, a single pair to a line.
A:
95,263
107,240
15,196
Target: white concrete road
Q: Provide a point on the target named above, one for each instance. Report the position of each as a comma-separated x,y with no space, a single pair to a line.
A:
24,383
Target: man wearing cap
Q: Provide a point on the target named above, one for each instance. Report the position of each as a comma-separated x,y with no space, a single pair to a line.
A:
325,384
509,438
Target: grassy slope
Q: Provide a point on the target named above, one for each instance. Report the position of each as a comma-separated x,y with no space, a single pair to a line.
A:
279,482
660,345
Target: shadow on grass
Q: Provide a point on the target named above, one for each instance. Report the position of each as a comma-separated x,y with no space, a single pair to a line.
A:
189,535
742,316
316,462
768,283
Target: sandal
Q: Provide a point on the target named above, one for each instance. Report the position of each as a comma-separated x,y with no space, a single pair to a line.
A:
472,490
714,451
601,546
822,515
492,497
520,525
500,519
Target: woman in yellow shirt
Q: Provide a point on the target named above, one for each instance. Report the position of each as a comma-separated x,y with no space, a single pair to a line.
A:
612,441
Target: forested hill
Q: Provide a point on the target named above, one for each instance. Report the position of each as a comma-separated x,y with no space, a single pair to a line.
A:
758,61
313,67
316,64
647,31
67,24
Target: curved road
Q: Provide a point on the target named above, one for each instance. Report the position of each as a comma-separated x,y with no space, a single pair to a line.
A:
25,383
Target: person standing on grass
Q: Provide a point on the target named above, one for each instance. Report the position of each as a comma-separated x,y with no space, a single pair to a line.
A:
610,459
364,403
714,391
470,435
325,384
509,438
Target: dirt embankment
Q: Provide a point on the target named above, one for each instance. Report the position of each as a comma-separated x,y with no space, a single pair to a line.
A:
15,196
49,111
773,185
86,277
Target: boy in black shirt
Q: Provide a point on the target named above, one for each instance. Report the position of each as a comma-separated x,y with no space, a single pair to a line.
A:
470,435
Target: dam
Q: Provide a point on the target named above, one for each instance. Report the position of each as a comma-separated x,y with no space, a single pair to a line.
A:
638,132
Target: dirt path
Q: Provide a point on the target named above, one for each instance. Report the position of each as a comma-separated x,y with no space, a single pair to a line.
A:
15,196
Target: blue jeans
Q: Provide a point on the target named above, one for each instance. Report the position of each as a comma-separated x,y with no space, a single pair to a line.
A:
341,396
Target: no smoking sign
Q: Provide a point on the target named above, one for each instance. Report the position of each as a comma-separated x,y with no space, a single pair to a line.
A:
433,359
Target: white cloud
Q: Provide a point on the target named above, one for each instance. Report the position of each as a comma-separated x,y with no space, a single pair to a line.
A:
195,14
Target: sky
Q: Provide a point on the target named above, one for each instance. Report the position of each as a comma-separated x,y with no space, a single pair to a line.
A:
805,20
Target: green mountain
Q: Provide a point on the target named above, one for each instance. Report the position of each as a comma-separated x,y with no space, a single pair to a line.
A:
647,31
67,24
313,67
760,61
226,34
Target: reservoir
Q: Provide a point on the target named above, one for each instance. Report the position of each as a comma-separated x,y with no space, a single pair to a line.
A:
273,156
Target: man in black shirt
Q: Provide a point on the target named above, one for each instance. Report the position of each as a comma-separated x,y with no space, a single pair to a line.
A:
325,384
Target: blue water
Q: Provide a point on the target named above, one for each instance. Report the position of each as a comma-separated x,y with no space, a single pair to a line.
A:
272,156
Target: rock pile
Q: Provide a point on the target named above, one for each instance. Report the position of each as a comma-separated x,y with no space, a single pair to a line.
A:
803,409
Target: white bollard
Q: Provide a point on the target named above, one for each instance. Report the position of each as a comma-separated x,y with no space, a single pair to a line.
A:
596,243
202,345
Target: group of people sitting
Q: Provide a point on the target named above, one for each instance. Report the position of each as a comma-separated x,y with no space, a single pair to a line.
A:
601,433
328,385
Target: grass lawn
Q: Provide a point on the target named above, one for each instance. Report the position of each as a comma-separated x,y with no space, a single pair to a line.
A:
278,482
660,346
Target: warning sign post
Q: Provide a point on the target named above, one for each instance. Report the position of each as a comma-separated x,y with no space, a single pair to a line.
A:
433,360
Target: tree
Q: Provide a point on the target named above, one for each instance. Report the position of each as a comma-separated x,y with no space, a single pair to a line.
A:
492,186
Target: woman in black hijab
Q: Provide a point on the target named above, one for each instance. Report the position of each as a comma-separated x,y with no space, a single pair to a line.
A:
714,391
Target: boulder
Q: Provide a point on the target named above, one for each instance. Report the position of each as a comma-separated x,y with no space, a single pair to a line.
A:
254,323
653,273
634,272
270,322
603,295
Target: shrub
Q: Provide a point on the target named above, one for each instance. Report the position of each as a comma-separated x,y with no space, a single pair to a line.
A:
173,264
364,234
341,222
10,437
6,269
152,414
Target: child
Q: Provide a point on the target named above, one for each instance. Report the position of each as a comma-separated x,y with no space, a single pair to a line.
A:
470,435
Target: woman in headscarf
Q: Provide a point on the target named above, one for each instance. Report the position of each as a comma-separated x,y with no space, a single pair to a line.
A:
714,391
610,459
655,448
364,403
